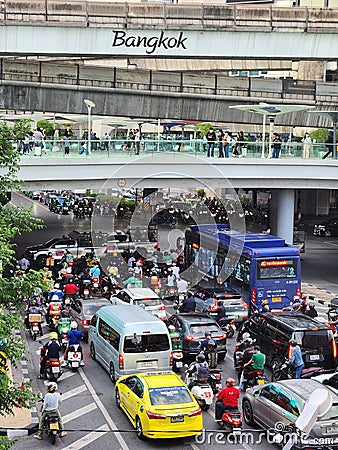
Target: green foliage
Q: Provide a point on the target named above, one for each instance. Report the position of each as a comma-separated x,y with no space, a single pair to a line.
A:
200,193
319,135
6,443
203,128
47,126
13,221
21,129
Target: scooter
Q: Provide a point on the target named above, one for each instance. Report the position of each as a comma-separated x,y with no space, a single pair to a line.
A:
63,330
53,369
74,357
254,378
215,380
232,421
86,288
201,391
51,426
228,326
284,371
95,285
34,320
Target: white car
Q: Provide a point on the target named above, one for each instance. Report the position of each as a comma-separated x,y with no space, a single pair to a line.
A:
329,379
144,297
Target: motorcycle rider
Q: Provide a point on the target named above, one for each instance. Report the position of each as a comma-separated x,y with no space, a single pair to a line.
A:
188,304
256,362
51,404
33,308
51,350
296,358
95,271
302,307
221,311
71,289
182,285
205,343
55,292
199,370
311,312
74,336
227,399
265,306
211,355
132,281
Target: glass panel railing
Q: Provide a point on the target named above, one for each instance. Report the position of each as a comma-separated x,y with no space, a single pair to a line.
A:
117,148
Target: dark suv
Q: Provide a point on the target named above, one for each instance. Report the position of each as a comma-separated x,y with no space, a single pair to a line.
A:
192,328
272,332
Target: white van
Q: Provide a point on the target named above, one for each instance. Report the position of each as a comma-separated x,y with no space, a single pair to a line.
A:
126,339
144,297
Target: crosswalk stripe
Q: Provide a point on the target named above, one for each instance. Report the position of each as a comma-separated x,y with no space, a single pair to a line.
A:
79,412
73,392
88,439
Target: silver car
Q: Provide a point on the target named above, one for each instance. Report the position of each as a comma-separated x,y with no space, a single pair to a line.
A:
276,407
82,311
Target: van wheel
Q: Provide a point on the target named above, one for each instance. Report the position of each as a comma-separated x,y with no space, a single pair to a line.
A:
139,430
247,413
92,352
112,373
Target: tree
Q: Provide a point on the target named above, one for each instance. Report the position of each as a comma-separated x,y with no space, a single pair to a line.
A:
203,128
319,135
47,126
13,221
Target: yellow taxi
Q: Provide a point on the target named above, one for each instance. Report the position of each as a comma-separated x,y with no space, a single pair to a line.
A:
159,405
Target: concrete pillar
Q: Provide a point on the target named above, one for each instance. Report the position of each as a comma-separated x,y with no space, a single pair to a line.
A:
273,211
285,214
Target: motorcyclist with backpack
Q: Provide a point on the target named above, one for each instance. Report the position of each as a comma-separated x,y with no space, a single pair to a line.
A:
188,304
211,354
74,337
199,370
51,350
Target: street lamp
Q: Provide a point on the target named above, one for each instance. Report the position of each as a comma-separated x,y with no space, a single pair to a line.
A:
89,105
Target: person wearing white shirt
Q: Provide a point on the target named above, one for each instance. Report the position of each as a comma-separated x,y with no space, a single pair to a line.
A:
182,286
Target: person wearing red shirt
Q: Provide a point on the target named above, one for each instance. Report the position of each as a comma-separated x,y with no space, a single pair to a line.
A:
71,289
227,399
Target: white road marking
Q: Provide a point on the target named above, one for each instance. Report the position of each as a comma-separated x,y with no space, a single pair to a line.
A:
73,392
330,243
104,411
79,412
88,439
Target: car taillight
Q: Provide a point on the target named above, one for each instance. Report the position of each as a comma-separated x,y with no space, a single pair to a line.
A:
171,358
221,336
121,362
55,363
334,349
214,307
290,351
253,296
299,291
152,415
189,338
162,308
85,322
95,280
197,412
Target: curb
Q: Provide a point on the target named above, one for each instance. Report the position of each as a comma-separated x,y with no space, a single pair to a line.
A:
34,425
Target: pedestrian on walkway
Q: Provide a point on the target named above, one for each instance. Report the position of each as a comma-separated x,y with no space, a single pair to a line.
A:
211,139
66,143
276,145
329,145
306,145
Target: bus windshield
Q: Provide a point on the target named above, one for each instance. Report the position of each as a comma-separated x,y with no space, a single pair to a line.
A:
276,268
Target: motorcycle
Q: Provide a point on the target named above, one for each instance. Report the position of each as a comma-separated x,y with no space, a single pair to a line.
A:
53,369
177,346
228,326
232,421
285,371
215,380
95,285
178,301
74,357
63,330
34,320
86,288
201,391
51,426
254,378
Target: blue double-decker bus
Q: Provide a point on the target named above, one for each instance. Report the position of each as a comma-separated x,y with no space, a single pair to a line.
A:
258,265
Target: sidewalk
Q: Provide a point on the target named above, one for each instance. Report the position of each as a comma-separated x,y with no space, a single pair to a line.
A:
25,420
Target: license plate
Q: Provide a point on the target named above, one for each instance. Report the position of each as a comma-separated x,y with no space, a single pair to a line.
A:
35,328
75,364
96,284
54,426
314,357
260,381
86,291
179,364
177,419
276,299
55,369
145,364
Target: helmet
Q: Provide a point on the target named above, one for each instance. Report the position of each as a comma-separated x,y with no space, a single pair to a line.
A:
53,336
230,382
296,298
246,336
265,302
211,343
33,302
171,328
52,386
292,342
130,270
248,340
73,325
200,358
57,286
